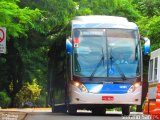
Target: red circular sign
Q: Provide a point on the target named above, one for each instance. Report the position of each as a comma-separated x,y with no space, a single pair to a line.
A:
1,35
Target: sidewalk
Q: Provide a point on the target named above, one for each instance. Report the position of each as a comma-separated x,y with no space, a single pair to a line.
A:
19,113
12,115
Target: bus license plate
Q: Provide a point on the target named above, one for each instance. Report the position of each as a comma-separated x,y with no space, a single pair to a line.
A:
107,98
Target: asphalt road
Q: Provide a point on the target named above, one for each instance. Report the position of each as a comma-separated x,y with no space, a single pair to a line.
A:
85,116
46,114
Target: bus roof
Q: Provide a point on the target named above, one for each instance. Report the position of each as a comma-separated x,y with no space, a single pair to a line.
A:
102,21
155,53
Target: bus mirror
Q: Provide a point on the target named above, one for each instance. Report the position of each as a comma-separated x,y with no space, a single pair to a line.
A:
146,46
68,47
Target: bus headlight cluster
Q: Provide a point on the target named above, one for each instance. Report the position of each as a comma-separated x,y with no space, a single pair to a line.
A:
134,87
131,89
83,88
80,86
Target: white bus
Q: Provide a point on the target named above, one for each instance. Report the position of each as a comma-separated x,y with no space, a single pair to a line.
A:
153,77
104,66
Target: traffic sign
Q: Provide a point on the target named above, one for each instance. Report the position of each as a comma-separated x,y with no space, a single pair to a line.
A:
2,40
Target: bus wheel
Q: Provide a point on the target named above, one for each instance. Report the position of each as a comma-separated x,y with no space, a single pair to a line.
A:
98,111
72,110
125,110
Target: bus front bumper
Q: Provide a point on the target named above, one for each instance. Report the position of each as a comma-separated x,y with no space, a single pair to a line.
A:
78,97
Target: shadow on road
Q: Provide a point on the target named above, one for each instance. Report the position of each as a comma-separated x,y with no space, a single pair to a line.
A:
114,114
90,114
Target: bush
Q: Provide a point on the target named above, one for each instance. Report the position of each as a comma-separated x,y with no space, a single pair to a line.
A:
28,93
5,100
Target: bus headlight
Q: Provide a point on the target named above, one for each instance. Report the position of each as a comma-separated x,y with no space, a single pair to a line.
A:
83,88
134,87
131,89
80,86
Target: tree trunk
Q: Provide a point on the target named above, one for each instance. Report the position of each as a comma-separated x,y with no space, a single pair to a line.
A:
15,71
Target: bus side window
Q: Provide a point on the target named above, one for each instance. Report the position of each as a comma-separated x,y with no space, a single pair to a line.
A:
153,67
150,69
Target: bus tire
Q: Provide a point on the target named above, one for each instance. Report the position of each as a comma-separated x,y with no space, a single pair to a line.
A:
98,111
72,110
125,110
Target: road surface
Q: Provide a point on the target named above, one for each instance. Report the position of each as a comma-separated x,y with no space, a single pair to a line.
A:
85,116
46,114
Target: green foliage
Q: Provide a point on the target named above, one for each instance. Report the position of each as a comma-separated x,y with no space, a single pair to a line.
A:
148,8
108,7
29,92
150,28
17,20
133,108
4,99
57,14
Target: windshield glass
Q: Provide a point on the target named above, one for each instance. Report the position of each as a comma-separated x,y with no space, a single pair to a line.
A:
106,53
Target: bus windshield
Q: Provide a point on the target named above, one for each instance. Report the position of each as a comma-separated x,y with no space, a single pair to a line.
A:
106,53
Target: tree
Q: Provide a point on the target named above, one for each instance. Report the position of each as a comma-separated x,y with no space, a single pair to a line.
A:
122,8
17,21
57,15
148,8
150,27
149,23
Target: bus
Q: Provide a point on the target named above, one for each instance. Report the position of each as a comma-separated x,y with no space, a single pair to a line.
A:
103,66
154,79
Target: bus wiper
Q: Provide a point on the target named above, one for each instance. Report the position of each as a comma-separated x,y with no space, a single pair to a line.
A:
99,63
123,77
121,72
